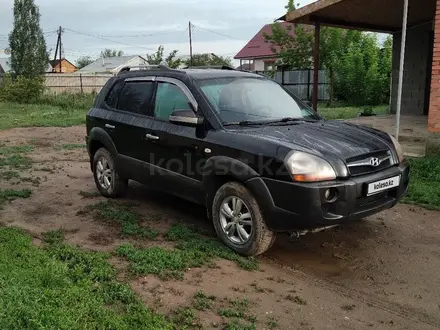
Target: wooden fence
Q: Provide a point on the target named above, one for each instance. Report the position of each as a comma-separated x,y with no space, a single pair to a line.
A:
57,83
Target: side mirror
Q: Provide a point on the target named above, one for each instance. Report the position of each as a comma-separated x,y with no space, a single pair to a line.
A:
185,117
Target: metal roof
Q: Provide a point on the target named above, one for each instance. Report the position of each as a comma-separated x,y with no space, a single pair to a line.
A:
109,64
3,63
257,47
370,15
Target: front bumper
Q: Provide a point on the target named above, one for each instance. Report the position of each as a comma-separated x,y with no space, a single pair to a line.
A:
288,206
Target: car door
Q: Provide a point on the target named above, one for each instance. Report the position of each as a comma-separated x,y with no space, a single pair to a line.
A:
128,122
176,151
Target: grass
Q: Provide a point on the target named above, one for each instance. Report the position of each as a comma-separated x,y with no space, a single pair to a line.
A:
9,175
7,195
347,112
192,249
40,115
73,146
424,187
63,287
203,302
238,312
12,158
122,215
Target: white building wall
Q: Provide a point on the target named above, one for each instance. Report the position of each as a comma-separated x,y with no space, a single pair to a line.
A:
258,65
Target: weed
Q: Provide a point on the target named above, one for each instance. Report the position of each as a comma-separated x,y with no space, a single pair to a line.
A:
73,146
203,302
296,299
192,250
231,313
9,175
63,287
53,237
184,317
424,186
11,194
86,194
122,215
272,323
35,181
7,150
348,307
16,162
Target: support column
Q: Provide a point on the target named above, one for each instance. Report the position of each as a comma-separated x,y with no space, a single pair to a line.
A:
434,103
316,67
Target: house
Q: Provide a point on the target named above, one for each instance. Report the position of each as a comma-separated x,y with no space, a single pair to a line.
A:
66,66
113,64
420,89
258,52
4,66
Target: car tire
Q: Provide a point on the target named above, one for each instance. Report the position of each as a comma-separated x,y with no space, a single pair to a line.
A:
107,180
239,221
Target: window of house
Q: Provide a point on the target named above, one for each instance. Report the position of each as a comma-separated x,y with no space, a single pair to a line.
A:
169,97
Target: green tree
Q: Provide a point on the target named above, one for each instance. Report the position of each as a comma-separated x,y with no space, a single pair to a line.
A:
290,5
112,53
295,50
83,61
158,58
208,59
29,57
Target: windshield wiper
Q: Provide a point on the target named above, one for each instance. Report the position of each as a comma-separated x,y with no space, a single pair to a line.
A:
247,122
269,122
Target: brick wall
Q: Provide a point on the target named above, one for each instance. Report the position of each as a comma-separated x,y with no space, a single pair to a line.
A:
434,104
417,51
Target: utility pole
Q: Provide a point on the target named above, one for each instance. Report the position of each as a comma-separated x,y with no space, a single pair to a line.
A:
58,48
60,32
190,45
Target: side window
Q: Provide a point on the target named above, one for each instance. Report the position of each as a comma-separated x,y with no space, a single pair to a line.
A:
113,95
135,97
169,97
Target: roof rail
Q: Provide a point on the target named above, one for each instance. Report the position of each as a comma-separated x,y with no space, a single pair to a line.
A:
144,68
218,67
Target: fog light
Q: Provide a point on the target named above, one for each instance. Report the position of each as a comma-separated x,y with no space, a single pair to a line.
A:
331,195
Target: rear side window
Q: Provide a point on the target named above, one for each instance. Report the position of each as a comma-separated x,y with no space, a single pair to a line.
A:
112,97
135,97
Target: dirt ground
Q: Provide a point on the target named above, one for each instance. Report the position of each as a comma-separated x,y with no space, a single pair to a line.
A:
380,273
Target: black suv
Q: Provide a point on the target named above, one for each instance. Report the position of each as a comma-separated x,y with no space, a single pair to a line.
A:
258,158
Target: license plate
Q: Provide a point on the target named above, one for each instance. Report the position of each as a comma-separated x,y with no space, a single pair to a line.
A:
378,186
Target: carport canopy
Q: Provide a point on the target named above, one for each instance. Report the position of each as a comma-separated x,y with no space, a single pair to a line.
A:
388,16
369,15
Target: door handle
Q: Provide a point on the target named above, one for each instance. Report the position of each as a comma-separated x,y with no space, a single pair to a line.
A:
152,137
109,126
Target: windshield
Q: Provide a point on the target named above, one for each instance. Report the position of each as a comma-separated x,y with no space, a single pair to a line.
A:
238,99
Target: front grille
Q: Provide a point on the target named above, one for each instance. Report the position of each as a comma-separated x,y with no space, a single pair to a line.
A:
363,201
356,166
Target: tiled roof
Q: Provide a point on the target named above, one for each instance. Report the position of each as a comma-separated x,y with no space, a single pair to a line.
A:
257,46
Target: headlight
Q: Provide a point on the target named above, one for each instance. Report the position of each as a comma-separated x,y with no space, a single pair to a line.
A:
305,167
398,148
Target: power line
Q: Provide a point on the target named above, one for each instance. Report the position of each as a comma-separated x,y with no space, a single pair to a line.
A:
158,34
105,39
218,33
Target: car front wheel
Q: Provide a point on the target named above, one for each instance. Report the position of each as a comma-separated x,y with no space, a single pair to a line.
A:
239,222
107,179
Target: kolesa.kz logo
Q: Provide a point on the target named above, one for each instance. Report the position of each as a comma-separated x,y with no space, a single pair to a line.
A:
383,184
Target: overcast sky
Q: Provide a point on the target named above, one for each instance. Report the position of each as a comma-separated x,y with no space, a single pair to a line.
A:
221,26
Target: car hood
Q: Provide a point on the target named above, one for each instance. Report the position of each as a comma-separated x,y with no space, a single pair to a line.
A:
322,137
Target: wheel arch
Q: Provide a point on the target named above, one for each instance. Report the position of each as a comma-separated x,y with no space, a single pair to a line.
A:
99,138
219,170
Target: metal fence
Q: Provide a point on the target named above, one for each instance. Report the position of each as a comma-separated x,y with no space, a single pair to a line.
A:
300,82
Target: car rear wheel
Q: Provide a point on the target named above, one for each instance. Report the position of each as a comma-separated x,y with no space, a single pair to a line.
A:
107,179
239,222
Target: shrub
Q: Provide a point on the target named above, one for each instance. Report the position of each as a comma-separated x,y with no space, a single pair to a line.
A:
21,89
